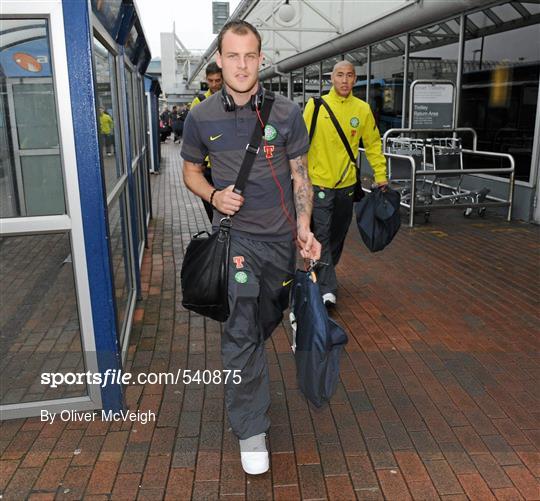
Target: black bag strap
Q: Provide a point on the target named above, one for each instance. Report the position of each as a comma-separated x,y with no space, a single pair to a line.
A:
201,97
339,131
317,103
252,148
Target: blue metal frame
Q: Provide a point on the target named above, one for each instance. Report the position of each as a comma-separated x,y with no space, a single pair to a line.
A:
151,85
78,32
141,173
143,168
131,182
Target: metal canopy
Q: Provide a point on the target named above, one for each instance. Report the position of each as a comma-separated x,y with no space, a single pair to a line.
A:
307,23
492,19
326,30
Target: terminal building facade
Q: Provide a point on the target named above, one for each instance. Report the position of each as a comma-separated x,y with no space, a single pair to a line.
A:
489,50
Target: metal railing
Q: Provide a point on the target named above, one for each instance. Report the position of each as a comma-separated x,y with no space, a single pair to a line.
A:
451,201
454,131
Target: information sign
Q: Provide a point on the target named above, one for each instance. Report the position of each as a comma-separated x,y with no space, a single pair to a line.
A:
432,105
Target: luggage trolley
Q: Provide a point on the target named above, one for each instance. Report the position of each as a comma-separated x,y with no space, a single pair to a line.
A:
447,154
428,167
399,169
435,154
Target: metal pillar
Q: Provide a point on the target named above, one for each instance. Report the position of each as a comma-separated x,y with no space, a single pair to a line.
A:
368,77
405,82
320,78
303,87
290,85
459,76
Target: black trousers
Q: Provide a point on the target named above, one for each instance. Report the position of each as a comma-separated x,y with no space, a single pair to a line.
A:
260,280
331,218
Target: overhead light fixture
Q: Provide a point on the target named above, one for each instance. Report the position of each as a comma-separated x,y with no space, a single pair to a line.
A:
286,12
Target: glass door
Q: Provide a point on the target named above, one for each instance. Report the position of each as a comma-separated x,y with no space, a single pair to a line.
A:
46,323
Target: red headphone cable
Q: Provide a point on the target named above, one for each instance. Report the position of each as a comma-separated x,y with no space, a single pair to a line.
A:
276,180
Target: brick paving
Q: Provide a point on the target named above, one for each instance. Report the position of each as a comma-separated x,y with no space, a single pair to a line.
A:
438,399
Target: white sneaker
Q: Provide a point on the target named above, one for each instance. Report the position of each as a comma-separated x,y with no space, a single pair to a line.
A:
329,299
292,319
254,454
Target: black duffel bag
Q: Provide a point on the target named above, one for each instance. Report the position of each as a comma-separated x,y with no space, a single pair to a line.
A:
205,269
377,217
205,273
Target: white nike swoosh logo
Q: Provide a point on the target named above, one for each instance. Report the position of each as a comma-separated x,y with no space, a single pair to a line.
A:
213,138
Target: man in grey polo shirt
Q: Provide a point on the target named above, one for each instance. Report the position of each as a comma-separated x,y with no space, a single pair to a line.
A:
270,220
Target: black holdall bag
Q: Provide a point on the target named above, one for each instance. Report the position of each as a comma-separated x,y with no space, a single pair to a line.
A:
377,217
205,273
358,191
205,269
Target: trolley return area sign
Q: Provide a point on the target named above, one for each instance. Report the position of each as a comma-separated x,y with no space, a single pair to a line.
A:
432,105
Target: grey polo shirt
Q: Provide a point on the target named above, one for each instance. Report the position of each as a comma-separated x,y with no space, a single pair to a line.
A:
223,136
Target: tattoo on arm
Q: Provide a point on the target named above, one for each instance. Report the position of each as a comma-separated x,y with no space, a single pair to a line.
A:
303,193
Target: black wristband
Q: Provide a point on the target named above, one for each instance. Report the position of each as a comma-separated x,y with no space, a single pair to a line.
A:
212,197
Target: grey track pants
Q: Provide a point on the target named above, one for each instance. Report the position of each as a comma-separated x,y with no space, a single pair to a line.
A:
260,278
331,218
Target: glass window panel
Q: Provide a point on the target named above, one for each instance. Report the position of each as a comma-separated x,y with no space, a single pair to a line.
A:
140,211
499,94
360,63
108,115
36,116
297,88
131,43
121,258
327,66
533,8
453,24
386,84
137,110
312,71
9,199
39,321
31,181
480,19
506,12
312,82
107,12
43,185
436,57
144,112
129,92
282,85
144,178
